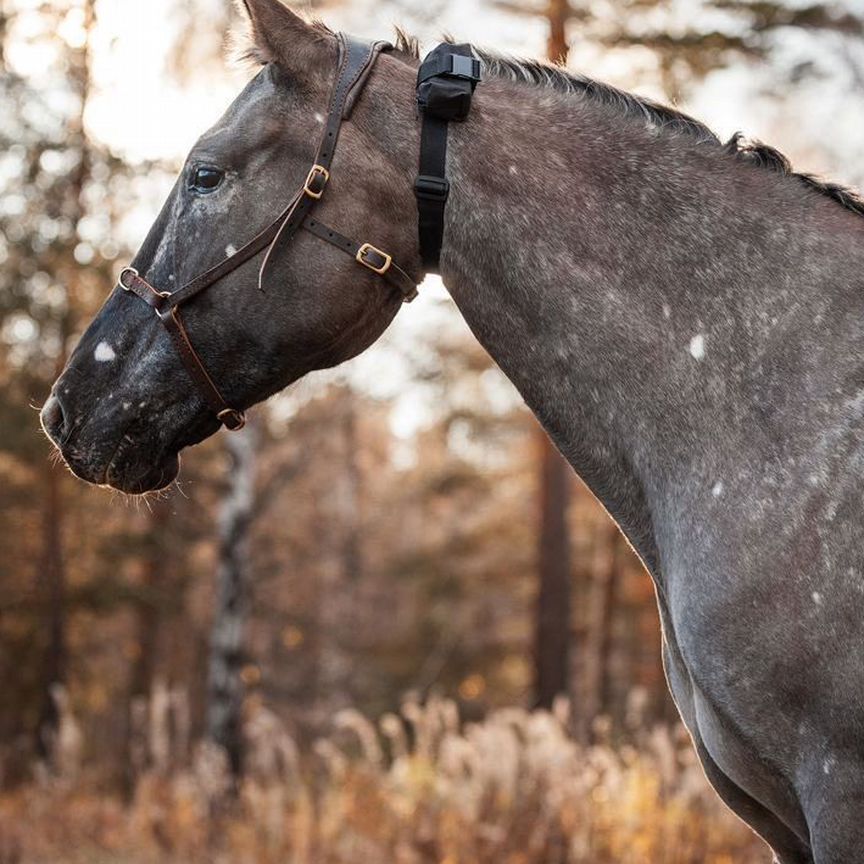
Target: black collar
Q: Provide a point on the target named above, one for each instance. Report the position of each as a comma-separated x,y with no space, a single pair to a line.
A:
445,85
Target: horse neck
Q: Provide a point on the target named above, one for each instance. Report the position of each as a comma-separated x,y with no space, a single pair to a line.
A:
637,287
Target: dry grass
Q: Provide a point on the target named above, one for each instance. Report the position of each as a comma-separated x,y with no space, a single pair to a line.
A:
418,789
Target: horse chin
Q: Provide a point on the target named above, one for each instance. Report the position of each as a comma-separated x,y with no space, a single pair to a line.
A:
134,473
128,477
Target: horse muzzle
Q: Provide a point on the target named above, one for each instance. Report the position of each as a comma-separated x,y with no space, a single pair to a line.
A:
118,461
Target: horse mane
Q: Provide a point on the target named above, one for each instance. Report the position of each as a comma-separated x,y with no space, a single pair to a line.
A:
661,117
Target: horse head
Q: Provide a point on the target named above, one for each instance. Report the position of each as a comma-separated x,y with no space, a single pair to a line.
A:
132,396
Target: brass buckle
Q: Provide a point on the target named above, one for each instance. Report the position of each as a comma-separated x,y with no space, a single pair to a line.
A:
131,270
368,247
315,171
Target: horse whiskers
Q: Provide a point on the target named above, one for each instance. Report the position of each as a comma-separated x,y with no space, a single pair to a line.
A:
125,498
156,495
178,485
136,499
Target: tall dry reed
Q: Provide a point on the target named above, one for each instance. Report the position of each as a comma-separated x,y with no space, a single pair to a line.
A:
418,788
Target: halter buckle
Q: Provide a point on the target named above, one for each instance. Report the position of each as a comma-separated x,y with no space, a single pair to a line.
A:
367,249
125,270
316,180
232,419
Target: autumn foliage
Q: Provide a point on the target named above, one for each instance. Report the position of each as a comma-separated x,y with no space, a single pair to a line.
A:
414,788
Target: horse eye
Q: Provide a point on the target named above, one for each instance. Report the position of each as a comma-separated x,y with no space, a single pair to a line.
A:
206,179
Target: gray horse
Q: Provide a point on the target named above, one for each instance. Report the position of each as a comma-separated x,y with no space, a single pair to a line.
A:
686,319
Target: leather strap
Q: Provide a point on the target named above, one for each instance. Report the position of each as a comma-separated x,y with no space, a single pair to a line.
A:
356,89
169,315
257,244
367,255
356,60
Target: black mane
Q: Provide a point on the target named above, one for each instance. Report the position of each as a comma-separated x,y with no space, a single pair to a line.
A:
537,74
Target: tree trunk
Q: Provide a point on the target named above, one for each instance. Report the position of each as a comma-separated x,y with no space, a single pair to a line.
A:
225,688
52,578
348,495
342,567
552,635
558,13
147,619
598,643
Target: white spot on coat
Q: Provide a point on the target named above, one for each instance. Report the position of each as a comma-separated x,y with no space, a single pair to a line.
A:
104,353
230,250
697,347
667,312
817,598
717,489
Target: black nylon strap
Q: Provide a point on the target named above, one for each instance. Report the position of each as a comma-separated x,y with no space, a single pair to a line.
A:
432,190
445,83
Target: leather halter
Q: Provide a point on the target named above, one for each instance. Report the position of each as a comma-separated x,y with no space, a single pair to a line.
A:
356,62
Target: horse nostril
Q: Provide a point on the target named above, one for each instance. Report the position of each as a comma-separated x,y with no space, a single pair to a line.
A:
53,419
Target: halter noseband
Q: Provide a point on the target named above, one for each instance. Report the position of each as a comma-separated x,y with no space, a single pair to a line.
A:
356,62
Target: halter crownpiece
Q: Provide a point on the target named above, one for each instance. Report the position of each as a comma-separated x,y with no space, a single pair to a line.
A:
445,85
356,62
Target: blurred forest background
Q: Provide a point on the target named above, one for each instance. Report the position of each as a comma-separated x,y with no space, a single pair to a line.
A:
385,623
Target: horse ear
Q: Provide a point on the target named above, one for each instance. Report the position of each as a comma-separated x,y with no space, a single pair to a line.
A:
277,32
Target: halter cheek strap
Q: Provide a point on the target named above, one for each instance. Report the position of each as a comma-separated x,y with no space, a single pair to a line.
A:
356,62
